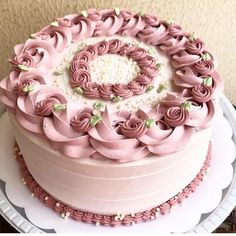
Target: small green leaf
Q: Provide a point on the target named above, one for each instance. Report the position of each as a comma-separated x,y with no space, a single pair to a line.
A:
150,88
117,11
151,51
116,99
169,21
149,122
161,88
95,119
207,81
158,65
78,90
206,56
33,36
84,13
186,105
28,88
55,23
23,68
59,107
142,13
98,106
58,72
192,37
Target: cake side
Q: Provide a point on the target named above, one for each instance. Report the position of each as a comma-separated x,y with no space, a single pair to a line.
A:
105,187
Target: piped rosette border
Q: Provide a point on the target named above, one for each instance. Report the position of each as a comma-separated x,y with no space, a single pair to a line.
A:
81,80
68,212
77,130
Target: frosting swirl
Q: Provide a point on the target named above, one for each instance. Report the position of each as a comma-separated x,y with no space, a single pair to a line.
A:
79,78
176,116
102,47
204,67
122,90
90,90
137,88
105,91
202,93
114,45
45,107
195,46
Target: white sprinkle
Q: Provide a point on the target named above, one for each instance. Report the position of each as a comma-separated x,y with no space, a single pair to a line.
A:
97,223
32,194
46,198
57,204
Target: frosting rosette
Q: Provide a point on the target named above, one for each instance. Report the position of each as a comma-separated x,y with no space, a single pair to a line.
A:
64,137
58,36
184,59
90,90
80,77
137,88
27,113
108,143
204,67
122,90
105,91
202,93
195,46
34,54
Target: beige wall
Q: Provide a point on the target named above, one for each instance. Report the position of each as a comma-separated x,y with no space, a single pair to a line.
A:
213,20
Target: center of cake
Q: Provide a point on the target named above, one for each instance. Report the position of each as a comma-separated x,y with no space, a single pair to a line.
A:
120,71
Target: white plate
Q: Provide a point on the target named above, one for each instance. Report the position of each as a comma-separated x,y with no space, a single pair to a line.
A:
204,211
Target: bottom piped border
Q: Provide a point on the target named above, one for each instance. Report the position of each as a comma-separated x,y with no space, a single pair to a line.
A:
66,211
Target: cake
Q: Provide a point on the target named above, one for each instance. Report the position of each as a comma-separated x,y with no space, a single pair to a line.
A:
112,114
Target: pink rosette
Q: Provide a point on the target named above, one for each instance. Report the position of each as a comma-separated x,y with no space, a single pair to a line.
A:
174,45
81,121
77,65
114,46
201,116
83,56
63,22
90,90
102,47
133,128
63,137
57,36
187,77
176,116
195,46
154,35
110,23
79,78
149,71
106,141
151,20
147,61
143,79
26,108
125,49
184,59
132,26
137,54
105,91
92,49
94,15
202,93
122,90
137,88
34,53
12,87
204,67
82,27
175,30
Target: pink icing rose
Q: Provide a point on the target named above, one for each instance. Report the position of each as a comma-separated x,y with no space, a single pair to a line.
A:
80,77
90,90
23,59
83,56
144,79
92,49
202,93
137,54
133,128
176,116
102,47
45,107
195,46
105,91
122,90
125,49
137,88
175,30
81,121
94,15
147,61
77,65
149,71
204,67
151,20
114,46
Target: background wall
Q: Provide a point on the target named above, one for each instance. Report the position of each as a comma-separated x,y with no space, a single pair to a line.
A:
212,20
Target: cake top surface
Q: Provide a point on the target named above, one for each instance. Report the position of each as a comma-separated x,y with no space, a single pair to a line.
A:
113,84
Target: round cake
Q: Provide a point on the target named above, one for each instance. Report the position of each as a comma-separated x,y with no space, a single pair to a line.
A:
112,114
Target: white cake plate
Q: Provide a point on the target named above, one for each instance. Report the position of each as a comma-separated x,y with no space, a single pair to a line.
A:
202,212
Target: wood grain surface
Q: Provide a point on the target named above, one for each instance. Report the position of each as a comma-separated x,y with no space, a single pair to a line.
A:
213,20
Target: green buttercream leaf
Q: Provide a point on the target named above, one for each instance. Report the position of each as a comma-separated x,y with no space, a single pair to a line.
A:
84,13
23,68
58,72
149,122
78,90
169,21
151,51
116,99
207,81
55,23
59,107
186,105
192,37
117,11
150,88
28,88
98,106
33,36
158,65
206,56
142,13
95,119
161,88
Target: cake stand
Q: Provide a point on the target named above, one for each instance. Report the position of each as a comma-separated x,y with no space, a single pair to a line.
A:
205,211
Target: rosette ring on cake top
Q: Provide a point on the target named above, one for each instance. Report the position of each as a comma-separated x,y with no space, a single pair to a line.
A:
102,120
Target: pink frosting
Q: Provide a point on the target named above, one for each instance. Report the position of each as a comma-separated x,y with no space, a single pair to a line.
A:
105,91
76,65
90,90
80,77
34,53
122,90
57,36
137,88
202,93
147,61
102,47
137,54
204,67
92,49
114,46
176,116
151,20
195,46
